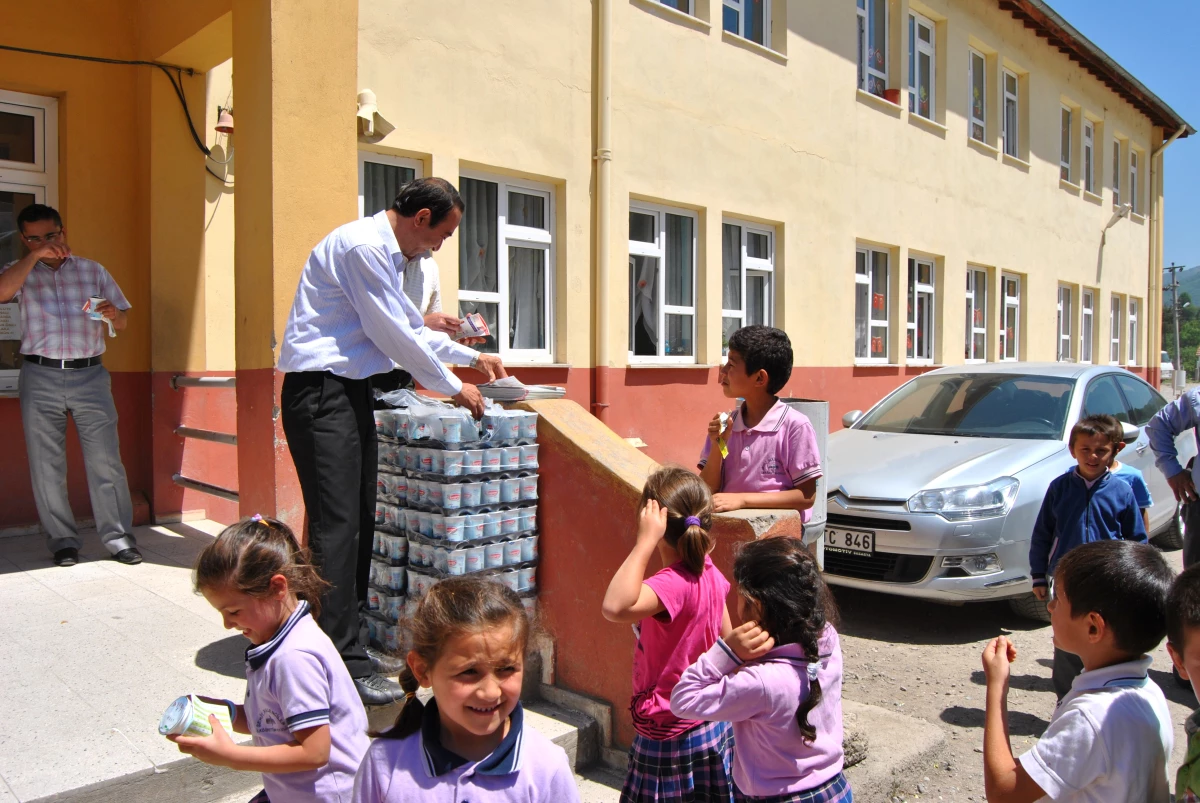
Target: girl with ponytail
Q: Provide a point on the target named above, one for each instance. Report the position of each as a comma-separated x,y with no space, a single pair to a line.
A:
677,614
777,678
302,710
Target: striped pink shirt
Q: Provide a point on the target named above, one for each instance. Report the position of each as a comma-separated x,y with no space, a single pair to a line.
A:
53,322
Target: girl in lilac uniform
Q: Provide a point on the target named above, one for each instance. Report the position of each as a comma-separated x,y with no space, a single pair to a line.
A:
676,614
308,723
468,742
777,678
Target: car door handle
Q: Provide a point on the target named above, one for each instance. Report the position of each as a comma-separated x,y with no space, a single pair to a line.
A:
1140,447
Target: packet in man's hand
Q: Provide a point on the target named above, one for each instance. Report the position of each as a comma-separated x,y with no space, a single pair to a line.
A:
473,325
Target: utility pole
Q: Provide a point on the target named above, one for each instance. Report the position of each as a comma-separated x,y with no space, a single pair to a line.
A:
1174,269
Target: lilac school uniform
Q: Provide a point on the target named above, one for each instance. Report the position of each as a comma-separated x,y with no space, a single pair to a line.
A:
295,681
776,454
525,767
770,756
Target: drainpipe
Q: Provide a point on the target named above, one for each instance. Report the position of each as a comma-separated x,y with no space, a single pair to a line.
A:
603,204
1154,302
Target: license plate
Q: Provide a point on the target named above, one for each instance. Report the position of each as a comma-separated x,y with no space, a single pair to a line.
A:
859,541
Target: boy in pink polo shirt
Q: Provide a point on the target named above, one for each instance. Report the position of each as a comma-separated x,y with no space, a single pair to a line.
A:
766,455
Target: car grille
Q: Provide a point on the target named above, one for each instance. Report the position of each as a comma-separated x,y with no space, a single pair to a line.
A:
865,523
884,567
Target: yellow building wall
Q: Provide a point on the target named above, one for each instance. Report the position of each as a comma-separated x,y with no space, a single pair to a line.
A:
219,203
707,122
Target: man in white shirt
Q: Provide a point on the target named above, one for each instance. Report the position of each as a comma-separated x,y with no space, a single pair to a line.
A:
351,320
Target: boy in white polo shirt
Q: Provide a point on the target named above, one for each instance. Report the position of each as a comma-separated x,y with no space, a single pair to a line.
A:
1111,735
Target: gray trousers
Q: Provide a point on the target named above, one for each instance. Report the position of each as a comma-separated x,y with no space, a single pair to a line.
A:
47,396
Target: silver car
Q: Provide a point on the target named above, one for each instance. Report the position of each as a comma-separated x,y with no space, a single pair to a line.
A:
934,491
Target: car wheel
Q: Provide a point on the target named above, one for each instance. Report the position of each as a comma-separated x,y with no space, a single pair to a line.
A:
1030,607
1171,538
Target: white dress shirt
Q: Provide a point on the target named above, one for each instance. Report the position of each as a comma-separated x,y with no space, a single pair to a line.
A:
352,318
421,284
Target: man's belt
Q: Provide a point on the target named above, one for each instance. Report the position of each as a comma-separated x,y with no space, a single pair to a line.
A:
82,362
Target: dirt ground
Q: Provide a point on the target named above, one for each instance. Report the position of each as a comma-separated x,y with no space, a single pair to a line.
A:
923,659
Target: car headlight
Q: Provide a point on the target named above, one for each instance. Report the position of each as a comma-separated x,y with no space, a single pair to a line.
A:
968,501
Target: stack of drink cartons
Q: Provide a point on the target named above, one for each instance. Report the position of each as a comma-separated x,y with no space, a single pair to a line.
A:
455,497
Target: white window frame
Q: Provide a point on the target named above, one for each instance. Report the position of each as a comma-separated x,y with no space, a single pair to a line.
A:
1064,156
740,7
1015,303
917,290
383,159
1134,192
976,61
520,237
1132,316
1115,325
750,265
1087,326
916,47
865,71
1012,138
874,323
1065,320
1116,187
658,249
1089,156
690,10
974,277
38,178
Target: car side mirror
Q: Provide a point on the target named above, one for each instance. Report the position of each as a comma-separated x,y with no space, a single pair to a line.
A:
851,417
1129,433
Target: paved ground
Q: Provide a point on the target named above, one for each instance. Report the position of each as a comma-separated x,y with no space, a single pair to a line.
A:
923,659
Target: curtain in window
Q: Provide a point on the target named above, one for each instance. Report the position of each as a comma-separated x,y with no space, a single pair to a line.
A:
731,267
526,298
477,237
643,273
679,260
381,184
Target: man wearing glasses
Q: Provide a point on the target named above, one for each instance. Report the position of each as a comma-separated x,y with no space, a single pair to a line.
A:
61,374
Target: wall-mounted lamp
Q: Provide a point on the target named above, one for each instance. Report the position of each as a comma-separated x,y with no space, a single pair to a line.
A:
1121,211
224,121
370,122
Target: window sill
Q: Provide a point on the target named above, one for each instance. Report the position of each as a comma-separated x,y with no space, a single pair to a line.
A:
974,362
1088,195
925,122
983,147
920,363
674,14
528,364
1020,164
880,103
1075,189
661,365
753,47
860,363
1137,218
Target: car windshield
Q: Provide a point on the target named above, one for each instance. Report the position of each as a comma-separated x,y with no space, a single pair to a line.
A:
976,406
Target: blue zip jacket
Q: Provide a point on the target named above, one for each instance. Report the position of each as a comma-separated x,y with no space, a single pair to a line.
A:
1073,514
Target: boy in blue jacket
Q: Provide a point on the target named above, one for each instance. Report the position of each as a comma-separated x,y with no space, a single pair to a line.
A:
1085,504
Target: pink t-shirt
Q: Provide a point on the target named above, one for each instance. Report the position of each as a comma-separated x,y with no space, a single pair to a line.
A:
776,454
670,642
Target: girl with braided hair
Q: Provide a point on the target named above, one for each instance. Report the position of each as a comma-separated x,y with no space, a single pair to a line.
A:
777,678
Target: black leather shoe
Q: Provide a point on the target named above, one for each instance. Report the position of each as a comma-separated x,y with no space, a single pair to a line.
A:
378,690
66,557
383,663
130,556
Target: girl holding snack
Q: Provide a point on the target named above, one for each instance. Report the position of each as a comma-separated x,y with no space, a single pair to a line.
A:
308,724
468,742
677,614
777,678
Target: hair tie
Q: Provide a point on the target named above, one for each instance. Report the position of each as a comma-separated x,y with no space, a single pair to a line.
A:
812,673
256,517
408,695
693,521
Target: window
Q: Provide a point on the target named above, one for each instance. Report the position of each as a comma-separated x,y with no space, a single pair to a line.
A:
679,5
920,310
1134,194
1064,324
977,290
747,268
1064,151
1116,172
1010,332
1011,116
1114,330
921,61
1133,332
505,257
978,100
872,46
662,281
380,178
871,305
749,19
1086,327
1103,398
1089,155
1143,401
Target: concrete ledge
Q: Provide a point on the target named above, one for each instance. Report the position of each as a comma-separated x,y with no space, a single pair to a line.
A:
186,779
899,747
599,710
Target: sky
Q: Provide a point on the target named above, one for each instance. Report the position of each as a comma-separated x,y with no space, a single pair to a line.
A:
1155,40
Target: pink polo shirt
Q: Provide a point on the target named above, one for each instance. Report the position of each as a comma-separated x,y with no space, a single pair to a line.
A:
776,454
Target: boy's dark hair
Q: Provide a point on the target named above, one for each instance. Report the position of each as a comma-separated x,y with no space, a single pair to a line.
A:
1183,607
765,348
435,194
1103,425
683,494
1126,583
781,577
36,213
